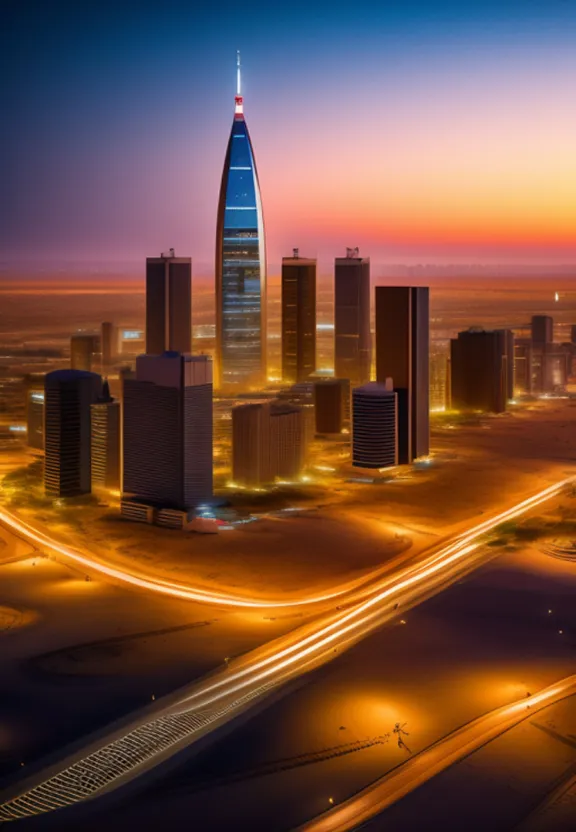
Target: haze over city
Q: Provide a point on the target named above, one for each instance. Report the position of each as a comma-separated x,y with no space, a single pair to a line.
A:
287,407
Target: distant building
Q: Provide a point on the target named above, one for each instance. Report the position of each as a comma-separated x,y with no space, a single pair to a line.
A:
109,343
298,318
34,386
69,395
542,329
167,431
105,441
374,426
439,386
132,342
168,304
352,340
480,367
523,366
330,397
84,351
402,353
268,443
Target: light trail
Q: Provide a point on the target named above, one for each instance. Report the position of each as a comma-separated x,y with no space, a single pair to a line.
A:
25,530
176,590
420,768
191,713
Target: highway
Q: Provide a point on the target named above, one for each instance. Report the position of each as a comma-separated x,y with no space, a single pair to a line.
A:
422,767
122,753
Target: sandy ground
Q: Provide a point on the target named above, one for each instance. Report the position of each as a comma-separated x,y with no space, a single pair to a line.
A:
76,654
347,529
480,644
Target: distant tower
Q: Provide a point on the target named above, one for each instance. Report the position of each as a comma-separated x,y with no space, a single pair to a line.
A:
298,318
402,353
479,366
240,263
68,397
352,346
374,426
105,441
109,342
542,329
167,430
84,351
168,304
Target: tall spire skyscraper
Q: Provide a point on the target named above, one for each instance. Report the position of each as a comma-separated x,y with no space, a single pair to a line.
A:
240,263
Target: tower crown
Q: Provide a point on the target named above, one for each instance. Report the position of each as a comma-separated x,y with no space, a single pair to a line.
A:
238,99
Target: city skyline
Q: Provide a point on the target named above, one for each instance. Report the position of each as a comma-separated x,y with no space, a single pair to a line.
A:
440,134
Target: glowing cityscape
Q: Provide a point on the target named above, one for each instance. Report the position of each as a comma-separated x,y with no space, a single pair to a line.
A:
287,448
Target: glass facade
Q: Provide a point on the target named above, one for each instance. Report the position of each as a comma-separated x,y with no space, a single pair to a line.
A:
240,267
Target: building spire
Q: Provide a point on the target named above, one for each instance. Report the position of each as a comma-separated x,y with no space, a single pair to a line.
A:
239,101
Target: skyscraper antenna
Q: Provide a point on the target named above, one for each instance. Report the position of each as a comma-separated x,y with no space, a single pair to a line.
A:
238,78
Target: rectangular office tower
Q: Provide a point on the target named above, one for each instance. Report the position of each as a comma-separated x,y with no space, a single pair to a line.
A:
109,342
374,426
68,395
542,329
268,442
402,353
168,431
168,304
331,396
298,318
105,441
480,367
84,351
352,345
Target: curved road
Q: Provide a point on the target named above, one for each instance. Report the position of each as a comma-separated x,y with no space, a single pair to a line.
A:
119,754
422,767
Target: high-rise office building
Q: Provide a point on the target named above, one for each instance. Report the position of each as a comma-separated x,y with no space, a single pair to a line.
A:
105,441
374,425
167,431
330,397
34,386
84,351
542,329
68,397
298,318
352,342
287,440
402,353
109,343
240,263
251,463
268,442
480,367
168,304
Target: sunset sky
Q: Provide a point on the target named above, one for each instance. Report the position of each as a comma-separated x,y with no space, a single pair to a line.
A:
420,131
